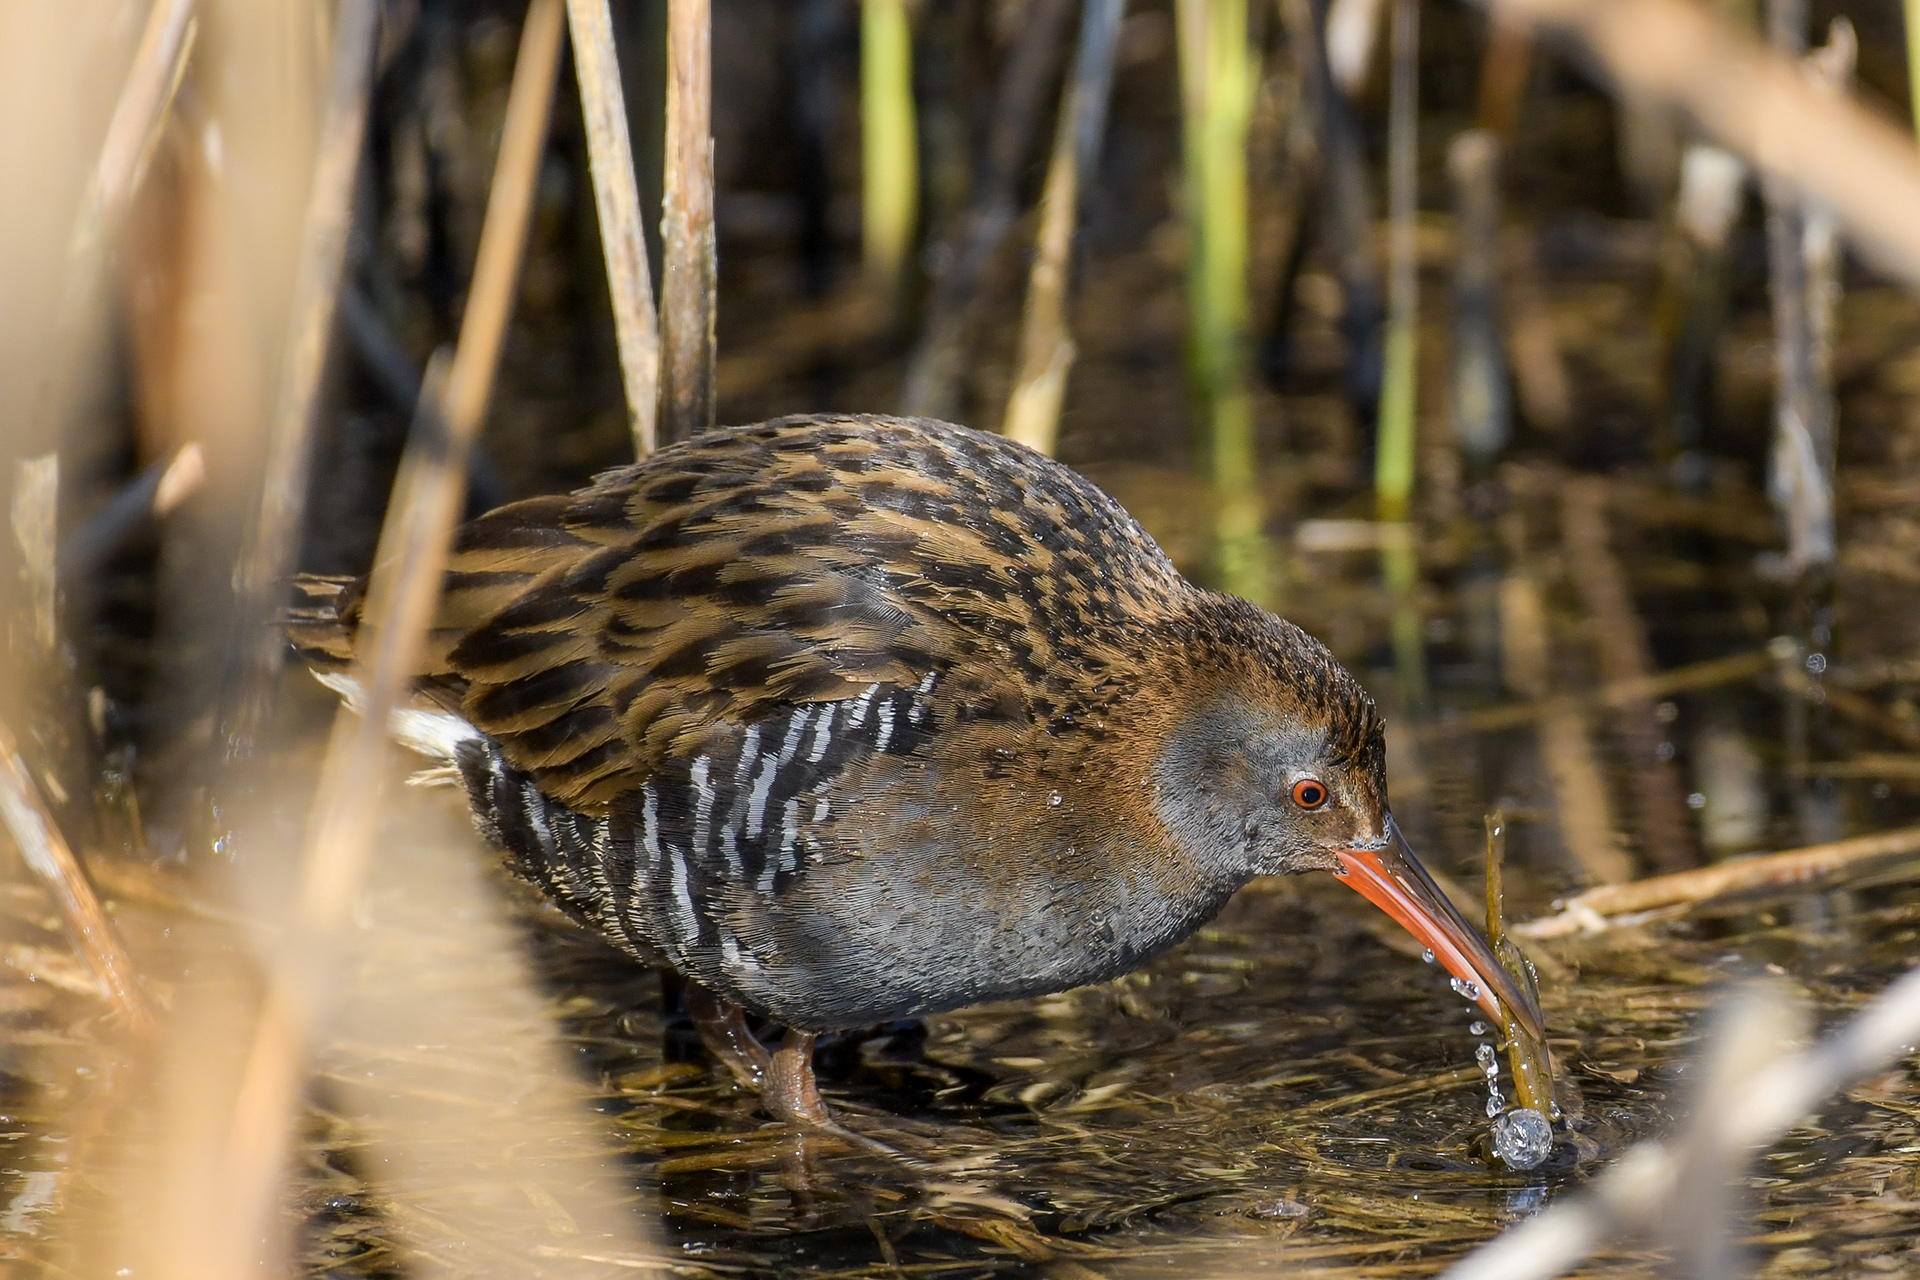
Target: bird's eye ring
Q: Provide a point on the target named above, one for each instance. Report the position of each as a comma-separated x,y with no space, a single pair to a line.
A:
1310,793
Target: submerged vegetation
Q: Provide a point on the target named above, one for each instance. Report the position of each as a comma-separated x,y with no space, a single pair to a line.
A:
1557,364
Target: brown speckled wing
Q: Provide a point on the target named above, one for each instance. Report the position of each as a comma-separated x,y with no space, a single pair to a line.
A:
674,603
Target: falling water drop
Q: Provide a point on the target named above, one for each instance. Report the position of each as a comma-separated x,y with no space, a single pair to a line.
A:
1427,955
1467,989
1053,799
1477,1029
1496,1103
1483,1054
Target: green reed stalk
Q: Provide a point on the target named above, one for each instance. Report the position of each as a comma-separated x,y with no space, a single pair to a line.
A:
1394,442
1393,458
1217,77
889,148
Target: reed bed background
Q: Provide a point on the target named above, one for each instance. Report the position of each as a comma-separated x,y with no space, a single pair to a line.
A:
1558,361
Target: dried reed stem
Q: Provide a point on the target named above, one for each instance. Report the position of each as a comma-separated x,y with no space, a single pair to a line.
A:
1046,344
889,143
1758,104
401,597
688,270
273,538
48,855
1589,911
158,64
616,196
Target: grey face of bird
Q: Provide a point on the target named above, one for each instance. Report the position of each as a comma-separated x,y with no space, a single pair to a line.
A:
1258,794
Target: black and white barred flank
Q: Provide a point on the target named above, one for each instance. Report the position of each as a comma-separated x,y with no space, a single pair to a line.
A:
706,842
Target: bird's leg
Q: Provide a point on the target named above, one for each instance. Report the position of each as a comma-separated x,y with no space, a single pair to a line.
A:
792,1094
723,1030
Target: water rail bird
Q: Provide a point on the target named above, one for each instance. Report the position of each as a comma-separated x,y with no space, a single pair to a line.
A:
851,719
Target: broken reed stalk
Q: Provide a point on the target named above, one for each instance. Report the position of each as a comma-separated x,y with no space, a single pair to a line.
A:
616,197
1399,392
405,585
1620,639
1217,82
48,855
1800,472
1589,911
1645,1191
266,561
689,268
1527,1057
889,144
1046,343
1482,417
1759,105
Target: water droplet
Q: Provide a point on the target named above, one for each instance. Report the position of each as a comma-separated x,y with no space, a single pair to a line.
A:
1465,988
1495,1104
1053,799
1522,1138
1484,1054
1477,1029
1427,955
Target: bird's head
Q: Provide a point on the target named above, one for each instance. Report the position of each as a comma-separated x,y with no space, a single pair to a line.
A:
1277,764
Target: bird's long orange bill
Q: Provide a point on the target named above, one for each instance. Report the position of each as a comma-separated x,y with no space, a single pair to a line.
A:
1392,879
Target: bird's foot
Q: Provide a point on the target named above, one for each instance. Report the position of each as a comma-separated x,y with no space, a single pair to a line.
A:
723,1031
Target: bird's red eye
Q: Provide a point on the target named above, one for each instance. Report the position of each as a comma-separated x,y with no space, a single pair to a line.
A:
1309,793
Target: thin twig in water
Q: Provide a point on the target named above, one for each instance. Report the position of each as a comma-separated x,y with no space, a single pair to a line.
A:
616,195
688,264
1589,911
1046,346
272,540
401,598
48,855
